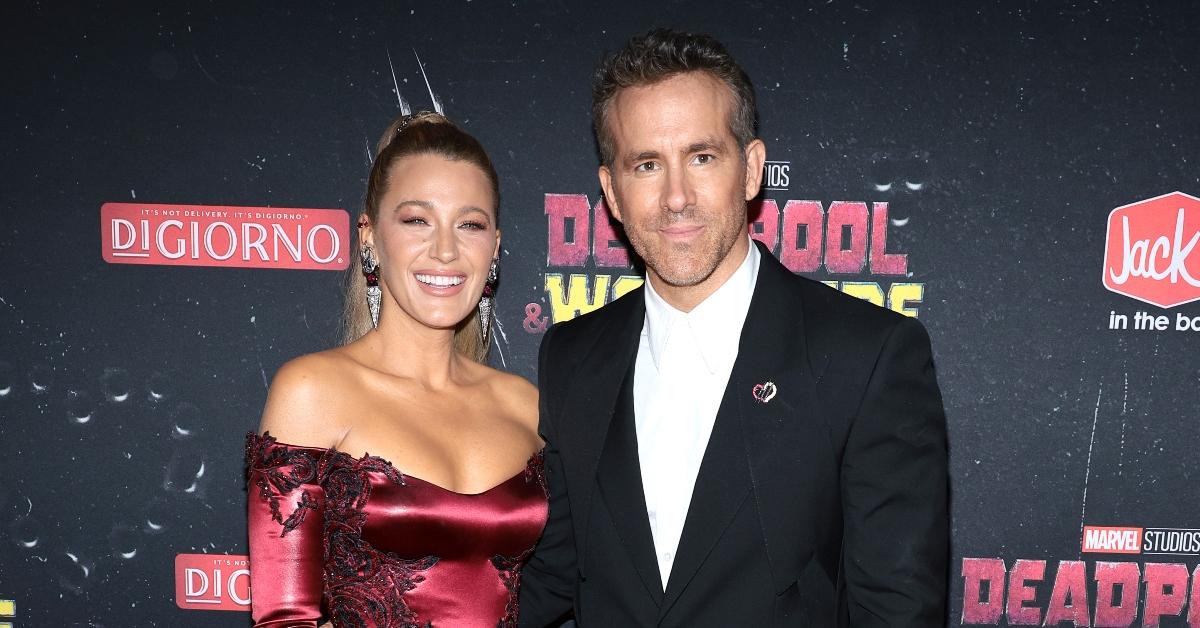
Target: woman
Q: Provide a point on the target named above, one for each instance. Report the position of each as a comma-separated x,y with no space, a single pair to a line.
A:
432,525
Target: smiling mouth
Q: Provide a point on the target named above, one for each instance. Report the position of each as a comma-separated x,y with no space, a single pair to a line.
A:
680,230
441,281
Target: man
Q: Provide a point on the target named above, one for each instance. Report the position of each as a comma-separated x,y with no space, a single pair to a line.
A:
730,445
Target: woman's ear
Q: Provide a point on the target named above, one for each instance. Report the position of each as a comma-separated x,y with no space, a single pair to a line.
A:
366,233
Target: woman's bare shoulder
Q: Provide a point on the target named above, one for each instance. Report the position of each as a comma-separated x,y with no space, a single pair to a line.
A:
305,394
516,395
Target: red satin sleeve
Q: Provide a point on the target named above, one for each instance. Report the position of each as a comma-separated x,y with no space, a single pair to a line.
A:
286,509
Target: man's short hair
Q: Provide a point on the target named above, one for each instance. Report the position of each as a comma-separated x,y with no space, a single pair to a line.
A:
658,55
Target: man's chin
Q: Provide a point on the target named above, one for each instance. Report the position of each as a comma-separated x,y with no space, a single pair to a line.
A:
684,277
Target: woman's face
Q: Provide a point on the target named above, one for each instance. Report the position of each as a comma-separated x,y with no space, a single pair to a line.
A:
435,238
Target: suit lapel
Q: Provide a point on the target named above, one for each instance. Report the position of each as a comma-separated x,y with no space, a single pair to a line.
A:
592,399
774,350
787,440
746,431
620,480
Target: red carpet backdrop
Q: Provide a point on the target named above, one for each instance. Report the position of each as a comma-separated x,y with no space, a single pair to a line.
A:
180,181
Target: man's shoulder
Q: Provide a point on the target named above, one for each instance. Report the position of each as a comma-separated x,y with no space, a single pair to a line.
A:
833,306
844,336
826,307
834,320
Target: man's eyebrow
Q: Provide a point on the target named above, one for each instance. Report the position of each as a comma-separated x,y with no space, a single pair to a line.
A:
644,155
706,144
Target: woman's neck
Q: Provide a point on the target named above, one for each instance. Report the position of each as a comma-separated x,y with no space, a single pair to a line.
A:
407,349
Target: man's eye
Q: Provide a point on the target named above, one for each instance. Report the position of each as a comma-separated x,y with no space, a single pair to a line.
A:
704,159
647,166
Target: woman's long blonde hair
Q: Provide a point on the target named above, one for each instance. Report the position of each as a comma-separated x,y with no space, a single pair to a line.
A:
417,134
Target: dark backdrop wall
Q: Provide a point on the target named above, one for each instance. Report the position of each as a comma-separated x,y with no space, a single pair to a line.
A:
963,159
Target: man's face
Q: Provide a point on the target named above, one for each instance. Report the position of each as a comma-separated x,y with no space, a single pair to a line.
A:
678,182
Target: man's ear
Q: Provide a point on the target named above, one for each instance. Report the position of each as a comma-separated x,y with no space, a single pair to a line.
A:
610,199
756,156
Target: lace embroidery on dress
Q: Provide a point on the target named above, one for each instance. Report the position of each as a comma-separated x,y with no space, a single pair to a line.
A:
277,471
509,567
536,470
363,586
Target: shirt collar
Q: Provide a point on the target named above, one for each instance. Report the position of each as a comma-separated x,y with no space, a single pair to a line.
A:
715,324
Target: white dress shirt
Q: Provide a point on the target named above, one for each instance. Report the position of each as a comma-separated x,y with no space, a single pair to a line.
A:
683,366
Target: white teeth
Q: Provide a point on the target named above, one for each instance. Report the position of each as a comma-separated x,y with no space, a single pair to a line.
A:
440,281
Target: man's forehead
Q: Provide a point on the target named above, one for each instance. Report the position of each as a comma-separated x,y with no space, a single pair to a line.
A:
690,107
697,85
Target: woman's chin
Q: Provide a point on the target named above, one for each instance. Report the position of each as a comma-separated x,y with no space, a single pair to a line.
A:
444,323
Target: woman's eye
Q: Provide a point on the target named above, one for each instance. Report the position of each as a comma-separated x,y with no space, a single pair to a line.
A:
474,225
414,221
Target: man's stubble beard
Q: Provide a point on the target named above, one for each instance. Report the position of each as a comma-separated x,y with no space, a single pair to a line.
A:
702,258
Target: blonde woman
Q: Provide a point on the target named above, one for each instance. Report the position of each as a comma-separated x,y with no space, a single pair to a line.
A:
396,480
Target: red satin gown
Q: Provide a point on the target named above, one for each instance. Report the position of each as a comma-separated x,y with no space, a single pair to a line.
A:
356,542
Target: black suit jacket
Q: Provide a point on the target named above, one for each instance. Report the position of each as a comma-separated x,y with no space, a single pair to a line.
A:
825,506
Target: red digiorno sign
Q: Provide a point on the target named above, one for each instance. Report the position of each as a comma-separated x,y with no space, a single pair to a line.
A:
1150,252
212,582
206,235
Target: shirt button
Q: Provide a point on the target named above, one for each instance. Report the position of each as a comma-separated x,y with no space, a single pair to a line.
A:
666,555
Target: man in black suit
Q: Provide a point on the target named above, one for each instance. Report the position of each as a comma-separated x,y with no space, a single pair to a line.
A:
729,445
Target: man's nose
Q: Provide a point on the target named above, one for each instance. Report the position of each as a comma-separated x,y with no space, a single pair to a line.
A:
679,194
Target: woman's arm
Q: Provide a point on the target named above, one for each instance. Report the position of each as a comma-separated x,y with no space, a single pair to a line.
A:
285,503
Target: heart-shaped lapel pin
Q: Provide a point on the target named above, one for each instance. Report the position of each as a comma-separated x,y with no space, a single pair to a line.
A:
764,392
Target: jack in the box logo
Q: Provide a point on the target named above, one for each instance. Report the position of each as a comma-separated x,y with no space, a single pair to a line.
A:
1150,251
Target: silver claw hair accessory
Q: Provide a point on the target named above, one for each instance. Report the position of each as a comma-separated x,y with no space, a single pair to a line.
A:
370,270
406,120
487,305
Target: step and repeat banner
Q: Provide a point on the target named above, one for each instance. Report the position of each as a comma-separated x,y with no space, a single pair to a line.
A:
180,183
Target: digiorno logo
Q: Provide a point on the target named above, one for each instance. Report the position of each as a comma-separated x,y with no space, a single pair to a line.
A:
206,235
1150,250
212,582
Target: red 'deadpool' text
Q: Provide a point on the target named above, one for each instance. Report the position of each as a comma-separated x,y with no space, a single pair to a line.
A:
1048,593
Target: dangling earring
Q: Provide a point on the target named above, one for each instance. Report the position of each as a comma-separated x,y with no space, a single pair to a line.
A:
370,270
486,305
